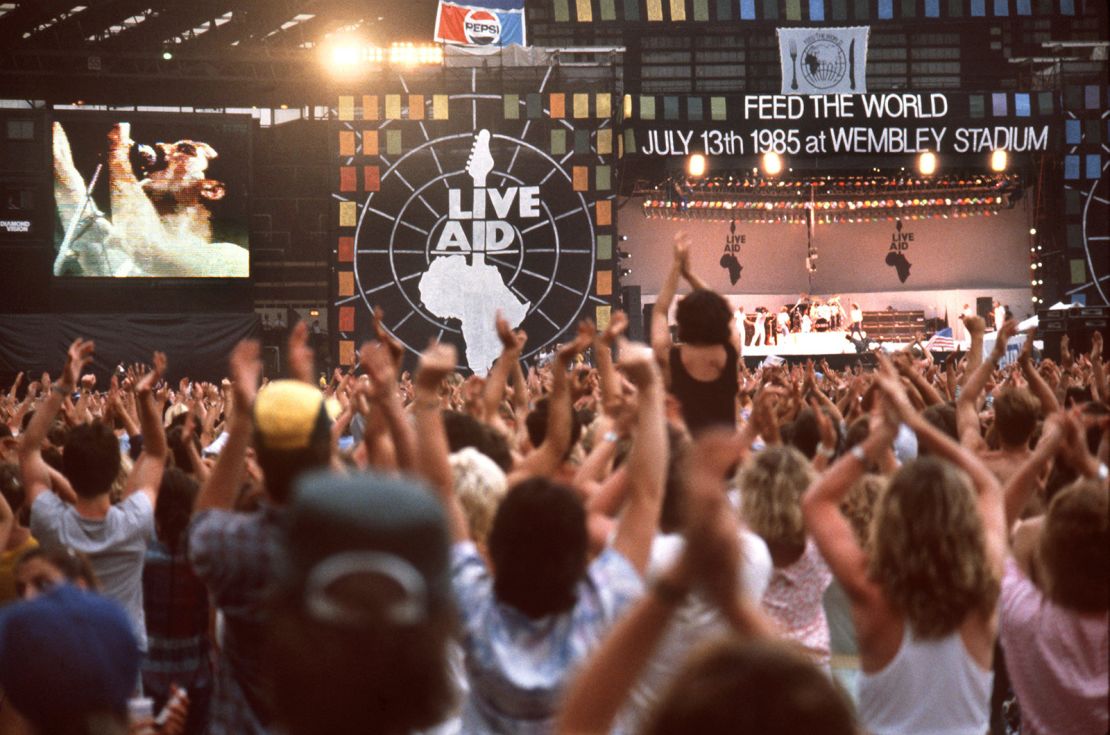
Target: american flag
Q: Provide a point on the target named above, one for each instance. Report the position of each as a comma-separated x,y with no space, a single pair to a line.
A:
942,341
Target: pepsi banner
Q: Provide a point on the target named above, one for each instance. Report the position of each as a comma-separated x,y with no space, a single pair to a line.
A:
496,23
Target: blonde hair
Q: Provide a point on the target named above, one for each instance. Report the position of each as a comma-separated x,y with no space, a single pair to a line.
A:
859,506
771,487
480,486
928,551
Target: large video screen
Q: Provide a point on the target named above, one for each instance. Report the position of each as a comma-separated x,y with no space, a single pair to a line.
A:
151,195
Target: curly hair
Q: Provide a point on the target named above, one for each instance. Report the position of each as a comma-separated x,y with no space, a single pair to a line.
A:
771,485
928,551
703,318
859,506
1074,547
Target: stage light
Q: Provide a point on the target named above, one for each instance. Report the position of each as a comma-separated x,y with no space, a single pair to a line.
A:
999,160
1032,230
345,56
167,55
927,163
695,166
772,163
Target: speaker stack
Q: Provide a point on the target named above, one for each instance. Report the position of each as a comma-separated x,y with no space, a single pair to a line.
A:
1078,323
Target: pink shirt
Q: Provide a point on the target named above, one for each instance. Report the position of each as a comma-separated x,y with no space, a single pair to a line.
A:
1056,658
794,599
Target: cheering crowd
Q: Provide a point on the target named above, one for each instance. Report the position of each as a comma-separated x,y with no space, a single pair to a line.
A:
662,541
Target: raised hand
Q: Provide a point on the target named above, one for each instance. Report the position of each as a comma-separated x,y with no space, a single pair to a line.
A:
618,322
682,251
301,357
377,363
638,364
511,341
396,349
975,325
1027,348
245,369
581,341
436,363
158,369
79,355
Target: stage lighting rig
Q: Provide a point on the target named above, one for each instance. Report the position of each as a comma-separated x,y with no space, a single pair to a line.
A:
695,166
999,160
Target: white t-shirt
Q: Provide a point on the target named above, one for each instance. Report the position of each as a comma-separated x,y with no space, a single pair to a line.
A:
693,623
115,545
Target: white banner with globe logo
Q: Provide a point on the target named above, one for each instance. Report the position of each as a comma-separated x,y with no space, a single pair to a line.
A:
824,60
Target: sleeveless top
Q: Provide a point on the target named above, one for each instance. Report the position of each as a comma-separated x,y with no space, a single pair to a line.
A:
706,403
932,687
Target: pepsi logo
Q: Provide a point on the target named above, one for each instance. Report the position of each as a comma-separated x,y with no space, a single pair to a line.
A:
481,27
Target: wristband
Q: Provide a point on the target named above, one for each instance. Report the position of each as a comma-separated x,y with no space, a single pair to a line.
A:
667,592
1103,472
827,453
611,436
858,453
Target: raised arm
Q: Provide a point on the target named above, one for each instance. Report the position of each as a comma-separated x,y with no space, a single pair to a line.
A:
1019,488
967,405
1098,373
146,475
821,507
987,489
377,361
7,521
222,485
493,392
710,563
660,313
975,327
1037,384
647,460
34,470
545,459
608,378
432,463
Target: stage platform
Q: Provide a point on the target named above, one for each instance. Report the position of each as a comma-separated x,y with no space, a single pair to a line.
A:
833,347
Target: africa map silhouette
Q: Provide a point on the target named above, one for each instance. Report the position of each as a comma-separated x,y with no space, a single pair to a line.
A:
900,264
729,261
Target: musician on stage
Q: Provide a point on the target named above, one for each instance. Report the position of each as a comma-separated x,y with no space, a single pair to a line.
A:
856,316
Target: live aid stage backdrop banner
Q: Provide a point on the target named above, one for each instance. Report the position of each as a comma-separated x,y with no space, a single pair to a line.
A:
932,264
456,199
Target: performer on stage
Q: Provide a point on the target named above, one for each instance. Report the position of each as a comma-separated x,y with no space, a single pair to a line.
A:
782,321
760,336
999,315
856,316
823,312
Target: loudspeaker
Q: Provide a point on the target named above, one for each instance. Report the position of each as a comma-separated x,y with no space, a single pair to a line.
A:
647,321
984,306
1078,325
630,302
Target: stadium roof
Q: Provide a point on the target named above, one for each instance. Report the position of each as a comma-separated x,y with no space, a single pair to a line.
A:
249,50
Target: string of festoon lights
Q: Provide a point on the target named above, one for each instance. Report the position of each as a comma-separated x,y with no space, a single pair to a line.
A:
764,196
1036,267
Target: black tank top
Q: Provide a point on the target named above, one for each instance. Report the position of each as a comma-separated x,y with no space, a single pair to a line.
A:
706,403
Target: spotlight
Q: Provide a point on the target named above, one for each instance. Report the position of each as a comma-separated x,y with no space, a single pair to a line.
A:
167,54
344,56
1032,230
999,160
927,163
625,272
695,166
772,163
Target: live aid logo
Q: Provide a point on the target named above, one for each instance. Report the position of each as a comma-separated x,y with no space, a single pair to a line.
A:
486,235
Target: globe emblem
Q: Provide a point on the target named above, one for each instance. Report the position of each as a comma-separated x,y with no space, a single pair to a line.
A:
823,64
